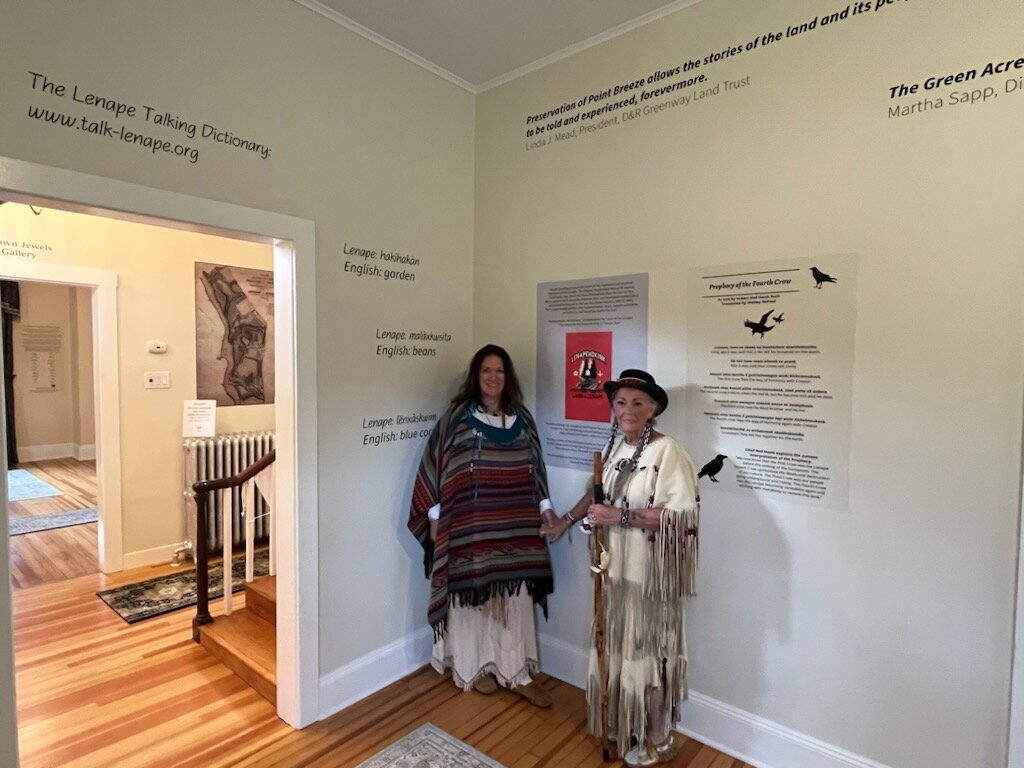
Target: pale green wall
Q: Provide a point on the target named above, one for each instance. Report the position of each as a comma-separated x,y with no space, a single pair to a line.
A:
885,630
370,147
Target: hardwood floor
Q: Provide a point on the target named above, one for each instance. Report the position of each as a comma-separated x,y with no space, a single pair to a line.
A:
62,553
94,691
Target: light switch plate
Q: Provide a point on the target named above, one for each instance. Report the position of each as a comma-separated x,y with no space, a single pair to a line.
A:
157,380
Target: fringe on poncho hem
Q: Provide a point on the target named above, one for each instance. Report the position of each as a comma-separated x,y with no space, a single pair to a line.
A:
475,597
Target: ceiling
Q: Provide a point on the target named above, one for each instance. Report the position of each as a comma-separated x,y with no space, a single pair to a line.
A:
479,44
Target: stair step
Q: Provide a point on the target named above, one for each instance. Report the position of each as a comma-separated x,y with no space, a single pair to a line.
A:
247,645
261,598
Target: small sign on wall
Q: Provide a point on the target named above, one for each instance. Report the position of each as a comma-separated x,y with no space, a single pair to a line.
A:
199,418
42,344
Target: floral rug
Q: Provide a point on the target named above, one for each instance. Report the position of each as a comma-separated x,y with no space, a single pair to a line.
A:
153,597
429,747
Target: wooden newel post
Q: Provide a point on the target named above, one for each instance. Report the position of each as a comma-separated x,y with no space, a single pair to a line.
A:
202,566
599,644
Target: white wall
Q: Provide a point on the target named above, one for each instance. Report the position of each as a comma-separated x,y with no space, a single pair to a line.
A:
374,150
156,300
44,386
884,631
59,422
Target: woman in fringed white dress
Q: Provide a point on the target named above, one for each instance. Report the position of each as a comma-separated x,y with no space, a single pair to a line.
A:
651,517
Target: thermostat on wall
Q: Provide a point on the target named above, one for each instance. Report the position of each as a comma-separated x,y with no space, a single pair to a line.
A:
156,347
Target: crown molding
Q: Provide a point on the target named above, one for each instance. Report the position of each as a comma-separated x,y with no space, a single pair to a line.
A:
383,42
405,53
590,42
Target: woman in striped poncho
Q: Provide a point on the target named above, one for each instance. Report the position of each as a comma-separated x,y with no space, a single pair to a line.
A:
478,503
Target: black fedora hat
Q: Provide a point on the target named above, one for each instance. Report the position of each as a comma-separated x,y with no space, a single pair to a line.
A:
642,380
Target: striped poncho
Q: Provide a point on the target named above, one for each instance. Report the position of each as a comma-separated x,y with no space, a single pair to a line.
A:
489,483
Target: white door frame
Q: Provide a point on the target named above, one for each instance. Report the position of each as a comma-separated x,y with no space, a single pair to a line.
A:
1015,747
296,543
106,389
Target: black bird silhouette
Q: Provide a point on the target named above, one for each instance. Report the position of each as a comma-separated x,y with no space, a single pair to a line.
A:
759,327
820,277
778,317
713,467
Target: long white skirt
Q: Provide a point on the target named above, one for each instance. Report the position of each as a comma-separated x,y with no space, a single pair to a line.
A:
498,638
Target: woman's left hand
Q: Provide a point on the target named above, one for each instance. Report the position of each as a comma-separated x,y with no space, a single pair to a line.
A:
602,514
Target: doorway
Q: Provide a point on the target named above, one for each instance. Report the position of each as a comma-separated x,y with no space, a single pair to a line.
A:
52,506
293,243
103,287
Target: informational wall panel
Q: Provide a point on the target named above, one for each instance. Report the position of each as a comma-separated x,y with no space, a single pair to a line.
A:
587,331
771,361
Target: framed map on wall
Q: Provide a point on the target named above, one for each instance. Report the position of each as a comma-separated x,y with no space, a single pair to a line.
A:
234,335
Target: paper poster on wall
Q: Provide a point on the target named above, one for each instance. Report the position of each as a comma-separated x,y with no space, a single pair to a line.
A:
770,355
234,335
586,331
42,344
199,418
588,357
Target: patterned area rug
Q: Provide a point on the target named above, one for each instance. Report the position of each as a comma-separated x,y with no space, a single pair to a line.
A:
429,747
154,597
20,525
22,484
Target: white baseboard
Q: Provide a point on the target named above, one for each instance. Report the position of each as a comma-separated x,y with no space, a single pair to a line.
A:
368,674
358,679
563,660
43,452
736,732
56,451
728,729
144,557
759,741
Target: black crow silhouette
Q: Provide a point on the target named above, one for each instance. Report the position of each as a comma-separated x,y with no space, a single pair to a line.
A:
759,327
820,277
778,317
713,467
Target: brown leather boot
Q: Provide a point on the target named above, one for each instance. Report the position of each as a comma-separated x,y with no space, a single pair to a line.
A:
534,694
485,684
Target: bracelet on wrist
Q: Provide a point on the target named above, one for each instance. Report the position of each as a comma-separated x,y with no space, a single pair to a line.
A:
571,518
624,519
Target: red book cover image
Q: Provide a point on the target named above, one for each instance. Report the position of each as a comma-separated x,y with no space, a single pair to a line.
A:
588,365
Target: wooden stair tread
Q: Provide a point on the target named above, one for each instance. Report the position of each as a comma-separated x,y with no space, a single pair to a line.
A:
261,598
263,585
247,645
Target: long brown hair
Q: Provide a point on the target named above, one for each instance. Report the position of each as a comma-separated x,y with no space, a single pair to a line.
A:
511,394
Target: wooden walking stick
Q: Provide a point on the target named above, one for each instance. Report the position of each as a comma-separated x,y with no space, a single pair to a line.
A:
598,569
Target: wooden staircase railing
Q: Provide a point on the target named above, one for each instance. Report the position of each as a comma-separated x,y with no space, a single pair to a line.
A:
202,490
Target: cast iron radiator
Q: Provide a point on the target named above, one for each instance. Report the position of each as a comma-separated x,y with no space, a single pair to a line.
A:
212,458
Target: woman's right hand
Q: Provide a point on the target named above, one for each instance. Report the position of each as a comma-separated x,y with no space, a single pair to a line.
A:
552,526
